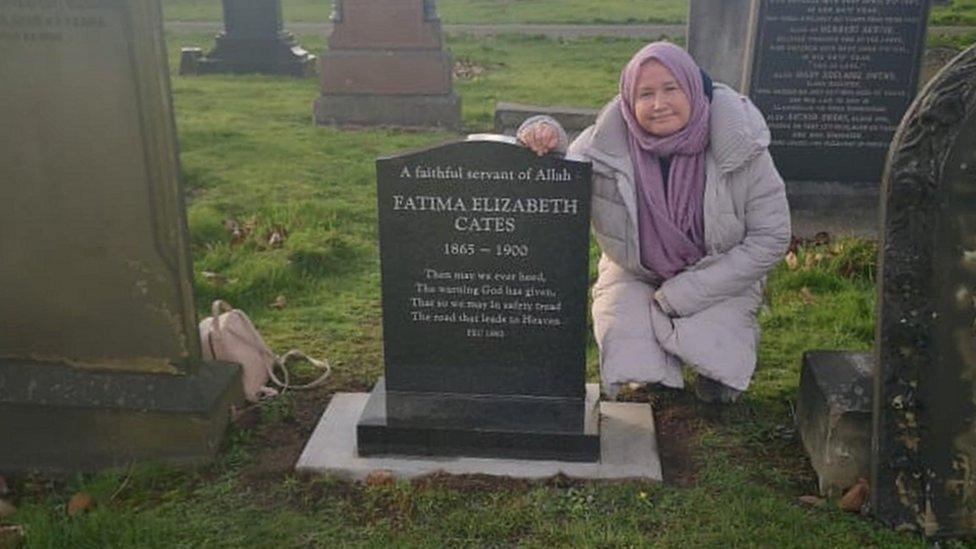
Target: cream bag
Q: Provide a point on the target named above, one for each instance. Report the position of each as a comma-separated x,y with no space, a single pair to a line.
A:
230,336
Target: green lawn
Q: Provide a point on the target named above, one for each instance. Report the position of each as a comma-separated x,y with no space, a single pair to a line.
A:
251,156
960,12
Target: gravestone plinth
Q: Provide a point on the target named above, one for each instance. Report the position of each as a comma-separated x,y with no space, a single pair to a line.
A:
833,82
386,66
253,41
924,404
484,252
833,416
99,350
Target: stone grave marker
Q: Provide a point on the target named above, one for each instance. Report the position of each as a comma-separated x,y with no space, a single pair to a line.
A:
922,449
386,66
99,352
484,256
833,80
253,41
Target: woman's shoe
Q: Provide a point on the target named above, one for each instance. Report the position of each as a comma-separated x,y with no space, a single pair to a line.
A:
713,392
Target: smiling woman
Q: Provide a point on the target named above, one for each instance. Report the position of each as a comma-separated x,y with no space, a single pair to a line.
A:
690,213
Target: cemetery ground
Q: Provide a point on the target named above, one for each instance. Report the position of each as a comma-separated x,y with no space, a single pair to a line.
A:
283,222
958,12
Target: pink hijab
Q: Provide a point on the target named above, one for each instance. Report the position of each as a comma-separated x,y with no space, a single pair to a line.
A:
670,221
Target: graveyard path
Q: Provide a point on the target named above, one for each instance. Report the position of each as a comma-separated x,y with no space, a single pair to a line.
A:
648,31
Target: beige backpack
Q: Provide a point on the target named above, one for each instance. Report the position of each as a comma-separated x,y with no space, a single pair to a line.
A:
229,335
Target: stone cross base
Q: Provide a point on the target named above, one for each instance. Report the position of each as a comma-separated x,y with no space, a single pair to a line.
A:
58,419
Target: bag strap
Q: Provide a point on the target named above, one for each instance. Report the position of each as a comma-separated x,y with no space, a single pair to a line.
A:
294,354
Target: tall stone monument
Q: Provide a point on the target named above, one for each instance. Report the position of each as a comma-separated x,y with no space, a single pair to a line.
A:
833,80
922,450
99,351
484,254
924,445
386,65
253,41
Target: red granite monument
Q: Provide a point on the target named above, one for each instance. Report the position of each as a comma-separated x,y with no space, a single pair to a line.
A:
386,66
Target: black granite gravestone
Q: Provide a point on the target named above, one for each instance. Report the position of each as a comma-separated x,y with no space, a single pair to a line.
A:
833,80
925,383
484,251
253,41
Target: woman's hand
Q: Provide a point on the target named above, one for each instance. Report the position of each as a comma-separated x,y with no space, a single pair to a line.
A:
541,137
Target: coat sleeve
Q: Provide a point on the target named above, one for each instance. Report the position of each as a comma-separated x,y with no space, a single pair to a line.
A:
767,238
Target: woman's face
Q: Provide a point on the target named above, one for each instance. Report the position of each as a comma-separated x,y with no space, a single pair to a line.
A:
660,105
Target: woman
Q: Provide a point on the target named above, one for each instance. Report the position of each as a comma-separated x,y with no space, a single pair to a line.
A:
690,214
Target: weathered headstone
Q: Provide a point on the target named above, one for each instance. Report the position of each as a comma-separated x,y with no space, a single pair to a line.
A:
833,80
925,384
386,66
484,257
923,449
253,41
99,352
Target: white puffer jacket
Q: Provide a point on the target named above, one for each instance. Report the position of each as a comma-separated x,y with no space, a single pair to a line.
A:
747,231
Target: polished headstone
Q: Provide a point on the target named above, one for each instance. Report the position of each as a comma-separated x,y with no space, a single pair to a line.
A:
97,307
924,407
253,41
386,65
484,249
832,80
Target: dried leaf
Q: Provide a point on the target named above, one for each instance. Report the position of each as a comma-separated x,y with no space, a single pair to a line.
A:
856,497
11,535
791,261
78,503
807,296
379,477
821,238
6,509
812,501
276,239
810,260
279,303
216,278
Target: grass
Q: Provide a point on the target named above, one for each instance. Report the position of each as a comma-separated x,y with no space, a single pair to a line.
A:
959,12
253,161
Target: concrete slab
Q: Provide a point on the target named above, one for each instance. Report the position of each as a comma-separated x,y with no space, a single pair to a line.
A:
627,438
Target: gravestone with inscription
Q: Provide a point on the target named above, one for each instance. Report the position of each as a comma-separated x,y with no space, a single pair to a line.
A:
485,280
484,252
386,66
253,41
99,351
923,447
833,80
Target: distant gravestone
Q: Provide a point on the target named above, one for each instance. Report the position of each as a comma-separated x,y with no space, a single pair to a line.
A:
386,65
833,80
925,384
99,352
253,41
484,252
923,448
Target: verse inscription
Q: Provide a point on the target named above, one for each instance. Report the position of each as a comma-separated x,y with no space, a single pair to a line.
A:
834,78
32,21
484,260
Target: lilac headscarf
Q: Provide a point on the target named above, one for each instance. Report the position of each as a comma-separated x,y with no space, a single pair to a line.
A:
670,223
